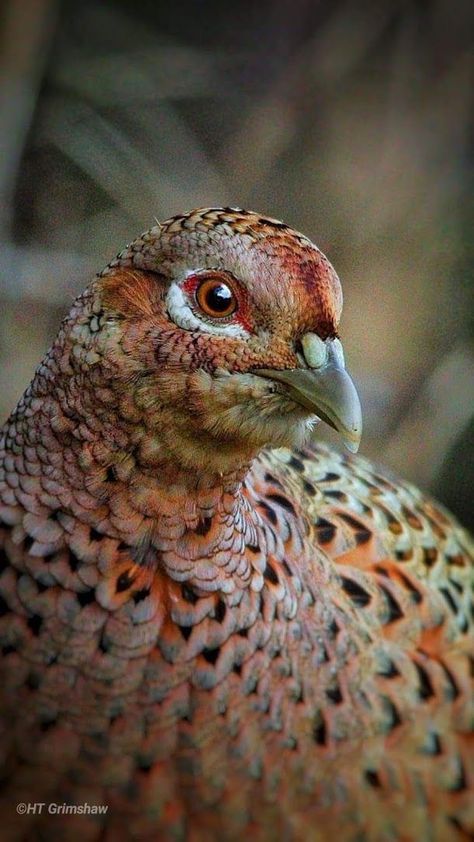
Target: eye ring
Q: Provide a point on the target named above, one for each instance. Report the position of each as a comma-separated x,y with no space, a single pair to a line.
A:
216,298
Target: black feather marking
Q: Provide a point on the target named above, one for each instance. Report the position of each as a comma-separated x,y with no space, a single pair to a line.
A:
356,592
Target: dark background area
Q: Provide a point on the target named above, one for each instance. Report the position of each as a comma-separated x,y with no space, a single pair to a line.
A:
350,121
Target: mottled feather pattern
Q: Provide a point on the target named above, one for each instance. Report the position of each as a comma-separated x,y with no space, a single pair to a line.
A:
281,648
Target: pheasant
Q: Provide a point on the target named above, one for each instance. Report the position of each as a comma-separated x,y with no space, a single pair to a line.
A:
212,628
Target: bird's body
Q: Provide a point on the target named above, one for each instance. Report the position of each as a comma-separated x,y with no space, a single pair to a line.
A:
208,627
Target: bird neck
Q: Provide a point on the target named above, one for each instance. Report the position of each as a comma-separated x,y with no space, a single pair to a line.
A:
98,474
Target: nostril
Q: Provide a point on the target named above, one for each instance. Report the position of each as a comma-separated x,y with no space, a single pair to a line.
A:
298,347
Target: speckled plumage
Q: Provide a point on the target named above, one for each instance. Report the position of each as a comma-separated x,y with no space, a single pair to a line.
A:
207,625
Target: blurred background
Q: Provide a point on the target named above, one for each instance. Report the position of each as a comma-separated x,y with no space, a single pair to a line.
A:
350,121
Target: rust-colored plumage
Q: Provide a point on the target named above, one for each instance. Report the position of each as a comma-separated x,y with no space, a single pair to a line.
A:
207,625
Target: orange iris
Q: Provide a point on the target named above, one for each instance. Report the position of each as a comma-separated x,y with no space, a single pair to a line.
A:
216,298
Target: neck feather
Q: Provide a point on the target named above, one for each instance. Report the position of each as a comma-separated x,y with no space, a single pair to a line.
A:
86,468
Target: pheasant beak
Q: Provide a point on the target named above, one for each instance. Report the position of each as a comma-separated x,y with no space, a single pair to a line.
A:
323,386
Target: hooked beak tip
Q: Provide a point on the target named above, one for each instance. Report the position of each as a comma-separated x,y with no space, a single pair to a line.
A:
352,446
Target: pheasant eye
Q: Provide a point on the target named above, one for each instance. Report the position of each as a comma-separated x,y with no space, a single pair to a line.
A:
216,298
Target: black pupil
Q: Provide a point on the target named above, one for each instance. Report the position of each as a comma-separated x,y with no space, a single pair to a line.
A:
219,298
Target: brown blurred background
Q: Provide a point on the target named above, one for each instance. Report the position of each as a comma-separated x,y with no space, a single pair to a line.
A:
350,121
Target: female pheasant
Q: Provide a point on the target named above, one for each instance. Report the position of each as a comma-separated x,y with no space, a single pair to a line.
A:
210,628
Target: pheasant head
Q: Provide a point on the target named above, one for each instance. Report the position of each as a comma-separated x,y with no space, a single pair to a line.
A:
215,334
